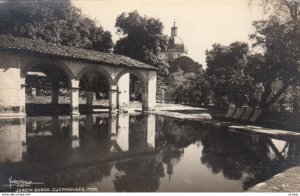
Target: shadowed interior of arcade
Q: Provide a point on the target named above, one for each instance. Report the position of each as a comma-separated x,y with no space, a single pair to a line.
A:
48,91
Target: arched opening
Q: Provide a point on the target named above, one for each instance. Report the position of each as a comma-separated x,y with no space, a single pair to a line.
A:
93,91
131,88
47,90
135,89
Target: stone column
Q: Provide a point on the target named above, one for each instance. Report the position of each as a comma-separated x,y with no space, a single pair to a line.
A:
55,94
163,96
123,98
33,92
144,101
34,125
89,100
89,122
12,89
74,97
113,93
149,95
74,131
23,98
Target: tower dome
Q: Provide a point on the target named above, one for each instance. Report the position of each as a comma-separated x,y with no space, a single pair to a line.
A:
175,42
175,47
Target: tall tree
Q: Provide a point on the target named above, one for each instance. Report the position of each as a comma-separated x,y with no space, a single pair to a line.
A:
142,39
54,21
226,74
279,37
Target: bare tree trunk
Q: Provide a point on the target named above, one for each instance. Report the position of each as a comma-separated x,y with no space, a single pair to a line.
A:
264,97
295,99
265,103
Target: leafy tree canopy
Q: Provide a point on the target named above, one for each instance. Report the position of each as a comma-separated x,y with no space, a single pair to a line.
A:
142,39
241,76
54,21
189,88
186,64
279,37
226,74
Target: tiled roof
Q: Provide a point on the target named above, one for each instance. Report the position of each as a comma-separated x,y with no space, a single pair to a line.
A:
49,49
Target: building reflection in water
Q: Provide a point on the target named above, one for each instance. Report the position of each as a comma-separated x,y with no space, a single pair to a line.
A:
150,130
48,149
55,131
120,131
74,131
12,140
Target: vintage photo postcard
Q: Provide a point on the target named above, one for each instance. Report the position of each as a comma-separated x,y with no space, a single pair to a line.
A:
149,96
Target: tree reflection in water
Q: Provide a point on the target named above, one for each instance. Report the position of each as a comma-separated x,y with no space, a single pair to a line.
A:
246,157
49,135
143,174
139,175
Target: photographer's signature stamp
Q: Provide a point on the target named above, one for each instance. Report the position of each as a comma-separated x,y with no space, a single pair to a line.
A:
20,183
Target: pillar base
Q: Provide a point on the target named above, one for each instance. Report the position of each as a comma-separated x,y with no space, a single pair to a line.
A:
12,115
113,111
75,114
123,110
148,109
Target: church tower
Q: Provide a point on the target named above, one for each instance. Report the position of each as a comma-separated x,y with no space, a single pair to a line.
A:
175,46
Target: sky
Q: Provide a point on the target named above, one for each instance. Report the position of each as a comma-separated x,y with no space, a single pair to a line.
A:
201,23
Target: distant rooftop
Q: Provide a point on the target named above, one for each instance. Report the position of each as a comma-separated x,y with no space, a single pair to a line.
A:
9,42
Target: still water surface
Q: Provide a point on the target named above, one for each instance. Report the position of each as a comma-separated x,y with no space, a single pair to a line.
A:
137,153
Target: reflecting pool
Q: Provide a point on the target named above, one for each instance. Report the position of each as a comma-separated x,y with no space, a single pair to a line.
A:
126,152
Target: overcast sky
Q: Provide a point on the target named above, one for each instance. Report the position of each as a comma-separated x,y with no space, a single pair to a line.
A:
200,23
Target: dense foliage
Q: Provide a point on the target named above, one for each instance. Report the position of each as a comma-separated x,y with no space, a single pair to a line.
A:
187,88
184,63
54,21
268,78
279,38
226,73
142,39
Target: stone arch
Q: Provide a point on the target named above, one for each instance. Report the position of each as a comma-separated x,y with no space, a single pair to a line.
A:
136,73
64,68
98,69
49,67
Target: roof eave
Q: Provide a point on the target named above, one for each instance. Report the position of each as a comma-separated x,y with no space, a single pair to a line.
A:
75,58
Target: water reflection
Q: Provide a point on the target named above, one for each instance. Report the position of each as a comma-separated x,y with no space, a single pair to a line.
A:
247,157
120,134
12,140
123,152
